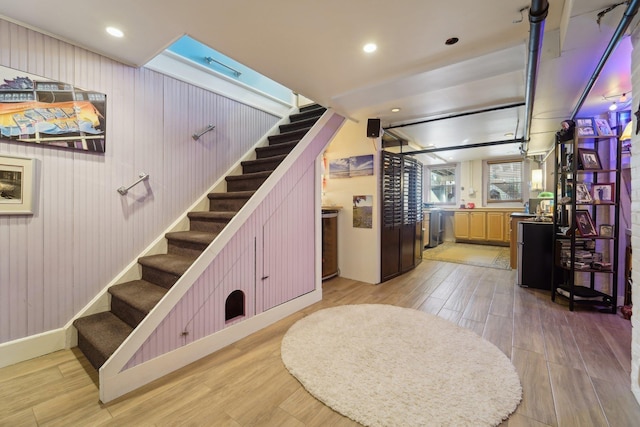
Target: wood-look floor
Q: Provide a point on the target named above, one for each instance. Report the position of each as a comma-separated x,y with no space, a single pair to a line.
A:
574,366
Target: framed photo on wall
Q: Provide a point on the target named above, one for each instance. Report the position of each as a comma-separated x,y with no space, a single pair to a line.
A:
585,224
16,185
603,192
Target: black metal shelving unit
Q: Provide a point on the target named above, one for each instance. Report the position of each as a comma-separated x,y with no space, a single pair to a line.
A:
582,280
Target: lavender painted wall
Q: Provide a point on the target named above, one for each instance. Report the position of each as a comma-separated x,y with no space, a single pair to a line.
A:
276,241
83,232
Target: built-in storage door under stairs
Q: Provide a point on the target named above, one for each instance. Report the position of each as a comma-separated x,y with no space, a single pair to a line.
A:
99,335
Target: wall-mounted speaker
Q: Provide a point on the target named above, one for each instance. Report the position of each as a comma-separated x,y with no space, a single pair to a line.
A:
373,128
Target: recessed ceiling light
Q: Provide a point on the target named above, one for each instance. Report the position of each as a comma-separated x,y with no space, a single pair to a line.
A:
509,134
370,47
395,110
115,32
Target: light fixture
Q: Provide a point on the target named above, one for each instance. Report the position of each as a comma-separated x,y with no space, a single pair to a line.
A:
509,134
115,32
623,98
395,110
613,106
370,47
536,179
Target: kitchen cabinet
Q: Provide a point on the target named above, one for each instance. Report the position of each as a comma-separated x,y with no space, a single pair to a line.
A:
477,225
495,226
487,225
461,225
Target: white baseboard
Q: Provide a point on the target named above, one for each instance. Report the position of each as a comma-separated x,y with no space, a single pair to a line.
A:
33,346
112,387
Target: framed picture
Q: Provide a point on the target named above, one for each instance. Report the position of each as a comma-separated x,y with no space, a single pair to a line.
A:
603,128
603,192
606,230
585,127
585,223
16,186
582,193
589,159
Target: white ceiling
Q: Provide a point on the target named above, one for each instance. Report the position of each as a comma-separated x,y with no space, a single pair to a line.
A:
315,49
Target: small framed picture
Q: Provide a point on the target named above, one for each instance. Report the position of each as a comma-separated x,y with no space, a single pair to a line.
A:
585,224
603,192
582,193
606,230
16,185
586,131
589,159
603,128
585,127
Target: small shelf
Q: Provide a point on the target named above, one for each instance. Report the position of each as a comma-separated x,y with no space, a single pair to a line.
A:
585,295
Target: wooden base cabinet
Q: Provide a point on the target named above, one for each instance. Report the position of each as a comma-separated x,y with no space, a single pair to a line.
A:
483,226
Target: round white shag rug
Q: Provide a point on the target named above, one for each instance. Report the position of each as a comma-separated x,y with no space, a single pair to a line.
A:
383,365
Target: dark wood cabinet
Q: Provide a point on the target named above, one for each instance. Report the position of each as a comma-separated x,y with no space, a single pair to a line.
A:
329,243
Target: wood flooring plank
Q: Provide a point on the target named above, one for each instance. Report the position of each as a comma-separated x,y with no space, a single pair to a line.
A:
619,403
537,400
246,384
498,330
575,399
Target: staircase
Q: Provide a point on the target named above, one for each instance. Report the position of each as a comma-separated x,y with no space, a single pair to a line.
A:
99,335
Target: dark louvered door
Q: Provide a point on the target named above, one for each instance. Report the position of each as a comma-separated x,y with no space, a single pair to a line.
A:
401,214
391,214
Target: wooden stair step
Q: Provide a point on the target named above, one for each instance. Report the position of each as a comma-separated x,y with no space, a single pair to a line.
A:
132,301
99,335
229,201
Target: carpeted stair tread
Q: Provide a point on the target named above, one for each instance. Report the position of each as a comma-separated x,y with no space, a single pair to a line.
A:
300,124
212,215
264,160
280,138
169,263
103,332
231,195
276,149
305,113
248,176
139,294
190,236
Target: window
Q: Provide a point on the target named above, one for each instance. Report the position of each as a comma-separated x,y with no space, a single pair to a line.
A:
441,184
504,181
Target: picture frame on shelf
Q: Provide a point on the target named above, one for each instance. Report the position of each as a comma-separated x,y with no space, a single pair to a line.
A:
16,185
582,193
589,159
603,192
585,127
585,223
603,128
605,230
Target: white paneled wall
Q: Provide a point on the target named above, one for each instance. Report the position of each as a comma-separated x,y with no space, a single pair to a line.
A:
635,223
83,232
